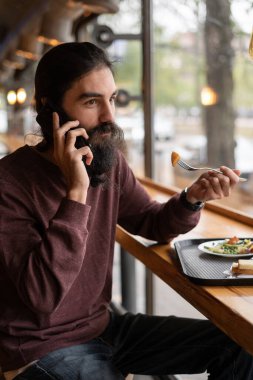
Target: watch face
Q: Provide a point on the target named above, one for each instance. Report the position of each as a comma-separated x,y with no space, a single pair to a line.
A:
198,206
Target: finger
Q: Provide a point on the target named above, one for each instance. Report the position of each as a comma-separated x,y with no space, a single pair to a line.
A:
237,172
68,126
214,190
225,184
204,175
204,188
56,120
233,175
199,189
56,128
72,134
221,185
82,131
60,133
204,183
87,153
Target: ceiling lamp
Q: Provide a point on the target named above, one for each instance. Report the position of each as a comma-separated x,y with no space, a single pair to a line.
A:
57,23
11,97
97,6
18,96
21,95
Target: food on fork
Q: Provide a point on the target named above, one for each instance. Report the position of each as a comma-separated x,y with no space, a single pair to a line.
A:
243,267
174,158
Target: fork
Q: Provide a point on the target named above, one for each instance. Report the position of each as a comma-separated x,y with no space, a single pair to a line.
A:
186,166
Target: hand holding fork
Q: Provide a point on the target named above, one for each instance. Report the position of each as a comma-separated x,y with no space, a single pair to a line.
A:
175,159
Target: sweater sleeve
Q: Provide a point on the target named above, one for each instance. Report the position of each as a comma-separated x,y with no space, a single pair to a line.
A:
42,263
140,215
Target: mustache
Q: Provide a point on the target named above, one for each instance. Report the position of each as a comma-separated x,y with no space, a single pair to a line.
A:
115,132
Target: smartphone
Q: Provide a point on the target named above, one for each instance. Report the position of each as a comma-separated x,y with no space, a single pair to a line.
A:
45,117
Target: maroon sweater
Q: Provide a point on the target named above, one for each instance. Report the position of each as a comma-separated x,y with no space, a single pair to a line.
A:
56,255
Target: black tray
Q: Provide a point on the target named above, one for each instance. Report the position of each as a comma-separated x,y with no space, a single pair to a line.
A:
203,268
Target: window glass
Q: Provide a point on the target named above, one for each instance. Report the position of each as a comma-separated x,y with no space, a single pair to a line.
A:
199,51
203,89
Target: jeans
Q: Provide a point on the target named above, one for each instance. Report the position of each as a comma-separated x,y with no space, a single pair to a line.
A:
148,345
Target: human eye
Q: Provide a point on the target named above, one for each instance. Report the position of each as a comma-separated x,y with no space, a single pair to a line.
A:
112,99
91,102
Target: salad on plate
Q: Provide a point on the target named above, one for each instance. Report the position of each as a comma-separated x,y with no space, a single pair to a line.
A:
228,247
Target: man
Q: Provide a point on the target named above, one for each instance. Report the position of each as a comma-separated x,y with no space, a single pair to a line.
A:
60,202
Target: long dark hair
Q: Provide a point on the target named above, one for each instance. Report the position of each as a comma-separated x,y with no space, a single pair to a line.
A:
56,72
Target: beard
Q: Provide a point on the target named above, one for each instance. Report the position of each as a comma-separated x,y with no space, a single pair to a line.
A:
104,149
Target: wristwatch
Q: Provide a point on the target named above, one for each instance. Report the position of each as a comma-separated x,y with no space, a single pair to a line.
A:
190,206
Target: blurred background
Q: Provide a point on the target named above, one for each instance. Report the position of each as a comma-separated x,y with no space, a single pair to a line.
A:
199,80
185,77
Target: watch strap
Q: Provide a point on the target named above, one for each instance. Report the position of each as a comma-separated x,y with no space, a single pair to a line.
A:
190,206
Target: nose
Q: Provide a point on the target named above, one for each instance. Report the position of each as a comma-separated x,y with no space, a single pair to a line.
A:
107,113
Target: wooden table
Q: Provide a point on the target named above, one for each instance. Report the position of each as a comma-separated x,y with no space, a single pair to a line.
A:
228,307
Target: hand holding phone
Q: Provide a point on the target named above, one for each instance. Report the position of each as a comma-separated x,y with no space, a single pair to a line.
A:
44,118
72,162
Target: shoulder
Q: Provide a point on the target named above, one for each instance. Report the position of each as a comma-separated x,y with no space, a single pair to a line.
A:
14,156
12,163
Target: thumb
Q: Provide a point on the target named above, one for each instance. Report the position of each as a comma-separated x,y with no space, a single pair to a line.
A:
236,171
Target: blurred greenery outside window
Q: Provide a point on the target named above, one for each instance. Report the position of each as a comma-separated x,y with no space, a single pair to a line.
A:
179,75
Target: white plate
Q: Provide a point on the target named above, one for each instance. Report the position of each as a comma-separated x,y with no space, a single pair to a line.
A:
213,243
